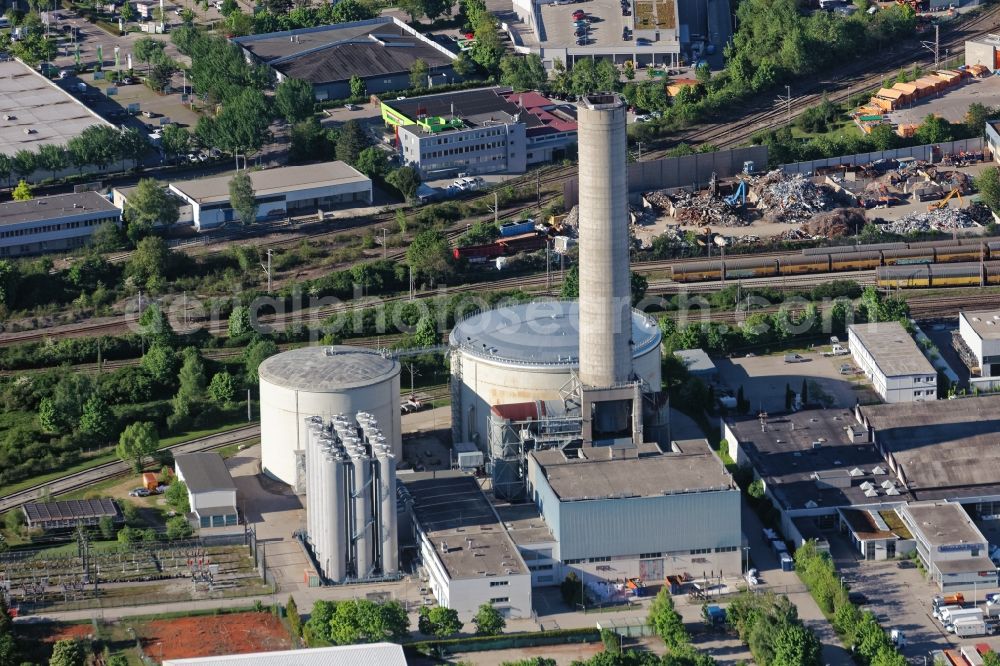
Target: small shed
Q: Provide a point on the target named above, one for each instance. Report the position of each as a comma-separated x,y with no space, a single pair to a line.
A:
70,513
211,491
698,363
149,481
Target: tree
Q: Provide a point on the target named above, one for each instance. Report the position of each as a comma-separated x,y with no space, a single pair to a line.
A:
426,334
160,363
372,162
242,198
571,283
489,621
97,420
294,620
191,389
666,621
148,206
429,255
68,653
988,184
155,327
240,325
628,69
358,87
295,100
976,117
148,50
148,264
487,50
934,130
795,645
364,621
24,163
413,8
52,158
22,192
106,525
991,658
351,141
222,388
405,179
228,7
438,621
127,13
177,497
522,72
418,73
242,125
254,355
6,168
137,441
178,527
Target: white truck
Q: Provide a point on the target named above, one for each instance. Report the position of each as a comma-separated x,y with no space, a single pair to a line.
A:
940,609
950,618
967,628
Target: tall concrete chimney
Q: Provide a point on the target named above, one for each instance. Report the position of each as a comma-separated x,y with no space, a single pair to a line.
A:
605,286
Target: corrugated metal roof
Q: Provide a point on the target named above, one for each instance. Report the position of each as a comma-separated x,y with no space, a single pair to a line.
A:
373,654
204,472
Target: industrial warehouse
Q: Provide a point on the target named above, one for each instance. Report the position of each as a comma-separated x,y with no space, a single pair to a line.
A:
59,222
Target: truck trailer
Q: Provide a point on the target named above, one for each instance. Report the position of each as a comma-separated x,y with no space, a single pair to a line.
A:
967,628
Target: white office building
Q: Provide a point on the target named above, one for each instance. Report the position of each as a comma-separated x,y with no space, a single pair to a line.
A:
893,362
980,333
53,224
951,547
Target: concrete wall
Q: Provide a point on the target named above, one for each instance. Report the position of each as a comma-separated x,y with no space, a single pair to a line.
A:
979,53
671,172
920,152
283,410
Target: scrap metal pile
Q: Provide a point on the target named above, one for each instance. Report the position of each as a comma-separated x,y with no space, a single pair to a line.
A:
941,219
703,209
781,197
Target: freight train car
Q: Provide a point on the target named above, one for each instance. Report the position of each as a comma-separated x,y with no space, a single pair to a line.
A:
804,264
750,267
855,261
699,271
908,256
904,276
504,246
967,274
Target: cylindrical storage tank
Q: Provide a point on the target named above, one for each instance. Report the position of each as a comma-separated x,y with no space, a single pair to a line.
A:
387,497
322,381
605,285
528,352
362,513
333,519
323,508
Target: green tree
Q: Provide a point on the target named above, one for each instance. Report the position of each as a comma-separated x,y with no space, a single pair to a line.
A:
429,255
487,50
240,325
666,621
796,645
364,621
148,50
176,141
988,184
295,100
522,72
294,620
120,659
628,69
254,355
372,162
97,421
68,653
405,179
438,621
242,125
413,8
242,198
976,117
126,12
149,205
463,66
489,621
23,163
358,87
149,263
222,388
155,327
22,192
571,283
991,658
177,497
160,363
317,627
191,389
6,168
106,526
52,158
178,527
137,441
426,334
350,142
418,71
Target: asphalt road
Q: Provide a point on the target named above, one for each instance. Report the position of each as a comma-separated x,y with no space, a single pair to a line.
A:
79,480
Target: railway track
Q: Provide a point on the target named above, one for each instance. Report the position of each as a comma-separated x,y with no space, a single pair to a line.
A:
73,482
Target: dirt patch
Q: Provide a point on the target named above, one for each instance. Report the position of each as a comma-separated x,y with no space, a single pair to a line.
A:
53,633
211,635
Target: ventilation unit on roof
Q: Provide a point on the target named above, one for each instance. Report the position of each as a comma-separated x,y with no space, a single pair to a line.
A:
811,504
857,471
891,491
871,493
888,484
878,470
867,485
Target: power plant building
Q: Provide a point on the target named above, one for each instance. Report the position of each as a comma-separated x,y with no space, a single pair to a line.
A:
324,382
351,498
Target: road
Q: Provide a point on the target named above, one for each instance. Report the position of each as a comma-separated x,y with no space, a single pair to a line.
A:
82,479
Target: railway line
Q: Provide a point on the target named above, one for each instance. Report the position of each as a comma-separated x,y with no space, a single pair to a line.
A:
73,482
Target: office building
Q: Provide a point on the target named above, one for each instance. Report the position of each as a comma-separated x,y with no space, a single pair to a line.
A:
53,224
893,362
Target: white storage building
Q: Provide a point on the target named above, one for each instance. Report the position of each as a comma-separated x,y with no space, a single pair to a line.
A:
324,382
980,331
211,491
50,224
286,191
889,357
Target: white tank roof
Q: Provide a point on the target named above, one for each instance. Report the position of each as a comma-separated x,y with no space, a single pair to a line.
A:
327,369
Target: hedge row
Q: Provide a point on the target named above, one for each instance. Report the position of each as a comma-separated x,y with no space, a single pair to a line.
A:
507,641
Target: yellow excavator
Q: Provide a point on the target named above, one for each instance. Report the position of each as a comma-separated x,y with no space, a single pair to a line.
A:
938,205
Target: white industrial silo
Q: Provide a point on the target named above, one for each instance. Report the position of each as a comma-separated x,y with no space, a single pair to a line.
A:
322,381
363,520
387,511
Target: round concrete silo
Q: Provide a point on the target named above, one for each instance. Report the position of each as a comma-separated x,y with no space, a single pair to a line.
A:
322,381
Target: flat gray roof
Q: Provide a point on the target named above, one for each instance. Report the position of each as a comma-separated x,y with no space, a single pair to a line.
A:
943,449
283,180
595,475
795,449
696,361
524,523
941,523
965,565
539,333
460,522
325,54
332,368
54,207
894,351
35,103
986,323
204,472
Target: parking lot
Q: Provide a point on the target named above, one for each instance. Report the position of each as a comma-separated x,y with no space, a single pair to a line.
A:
764,378
605,28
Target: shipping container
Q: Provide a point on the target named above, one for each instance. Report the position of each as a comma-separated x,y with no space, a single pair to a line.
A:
509,229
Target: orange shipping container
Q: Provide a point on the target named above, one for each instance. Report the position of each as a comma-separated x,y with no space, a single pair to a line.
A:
996,59
927,86
950,78
149,481
907,88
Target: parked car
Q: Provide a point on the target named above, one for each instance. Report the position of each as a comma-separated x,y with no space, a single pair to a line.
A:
138,492
351,107
581,32
642,41
642,118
